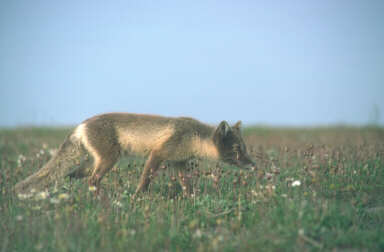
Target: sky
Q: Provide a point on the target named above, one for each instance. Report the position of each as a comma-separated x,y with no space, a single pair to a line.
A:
290,63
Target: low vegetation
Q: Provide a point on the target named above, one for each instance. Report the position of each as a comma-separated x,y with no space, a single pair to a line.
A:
313,189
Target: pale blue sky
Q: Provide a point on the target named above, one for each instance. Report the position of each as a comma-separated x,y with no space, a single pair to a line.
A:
270,62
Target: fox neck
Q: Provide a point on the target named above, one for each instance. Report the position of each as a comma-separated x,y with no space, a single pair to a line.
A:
205,147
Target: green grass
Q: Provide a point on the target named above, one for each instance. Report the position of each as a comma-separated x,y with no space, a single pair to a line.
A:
339,204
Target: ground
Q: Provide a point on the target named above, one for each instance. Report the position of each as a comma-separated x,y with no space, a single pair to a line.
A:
313,189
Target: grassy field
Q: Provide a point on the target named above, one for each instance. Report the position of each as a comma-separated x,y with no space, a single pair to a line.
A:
314,189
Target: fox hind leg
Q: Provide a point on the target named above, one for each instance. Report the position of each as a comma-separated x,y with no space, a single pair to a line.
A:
102,144
101,167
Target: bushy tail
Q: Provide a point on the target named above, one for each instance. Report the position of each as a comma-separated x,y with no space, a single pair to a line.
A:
65,161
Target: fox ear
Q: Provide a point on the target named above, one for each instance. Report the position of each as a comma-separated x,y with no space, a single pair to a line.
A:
237,125
223,128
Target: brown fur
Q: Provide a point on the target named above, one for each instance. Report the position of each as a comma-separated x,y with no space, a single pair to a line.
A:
161,139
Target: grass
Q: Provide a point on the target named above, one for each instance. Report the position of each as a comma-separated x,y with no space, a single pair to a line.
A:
338,206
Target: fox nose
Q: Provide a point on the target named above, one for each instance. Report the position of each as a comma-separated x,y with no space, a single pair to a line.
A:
250,166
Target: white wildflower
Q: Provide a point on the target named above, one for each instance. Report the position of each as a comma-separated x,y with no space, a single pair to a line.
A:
52,151
275,169
296,183
41,195
40,153
55,190
54,200
21,159
63,196
92,188
23,196
198,233
289,179
117,203
19,217
268,175
36,208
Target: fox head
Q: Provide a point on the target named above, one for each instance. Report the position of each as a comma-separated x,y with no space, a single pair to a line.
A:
231,146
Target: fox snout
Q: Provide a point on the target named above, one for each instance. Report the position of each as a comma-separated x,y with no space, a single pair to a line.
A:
246,164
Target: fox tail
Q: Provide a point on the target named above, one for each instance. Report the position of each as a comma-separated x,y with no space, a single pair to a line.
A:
67,160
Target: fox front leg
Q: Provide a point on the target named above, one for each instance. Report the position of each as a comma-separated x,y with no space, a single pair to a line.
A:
151,165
